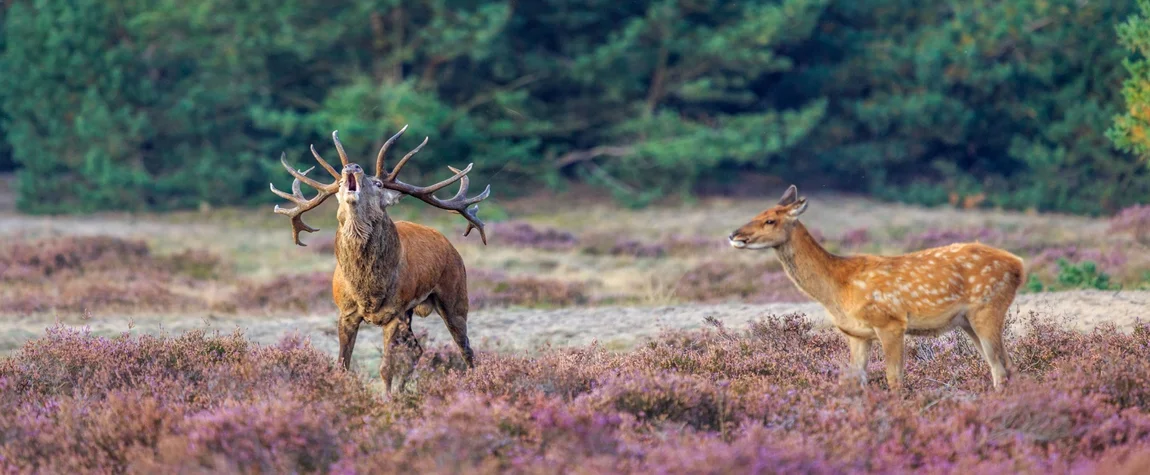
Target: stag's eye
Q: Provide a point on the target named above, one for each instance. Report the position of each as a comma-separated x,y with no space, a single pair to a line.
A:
769,222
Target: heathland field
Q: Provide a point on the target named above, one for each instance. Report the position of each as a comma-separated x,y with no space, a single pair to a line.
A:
608,339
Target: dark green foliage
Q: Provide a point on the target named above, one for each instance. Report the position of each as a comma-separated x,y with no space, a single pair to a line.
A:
1130,129
169,104
1010,99
1083,275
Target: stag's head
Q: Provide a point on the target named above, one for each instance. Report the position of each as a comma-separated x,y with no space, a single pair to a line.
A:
771,228
363,197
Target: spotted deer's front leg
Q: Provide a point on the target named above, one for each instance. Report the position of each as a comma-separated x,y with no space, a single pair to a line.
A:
860,356
892,339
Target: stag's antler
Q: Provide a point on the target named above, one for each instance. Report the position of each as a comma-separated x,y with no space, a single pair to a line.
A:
458,203
303,204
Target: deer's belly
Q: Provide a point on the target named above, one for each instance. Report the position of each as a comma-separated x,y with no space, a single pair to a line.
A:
934,323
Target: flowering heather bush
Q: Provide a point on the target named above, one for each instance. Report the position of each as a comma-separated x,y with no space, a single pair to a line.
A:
763,400
694,245
1134,220
522,234
1047,260
304,292
91,294
488,288
855,238
717,281
71,256
941,237
80,273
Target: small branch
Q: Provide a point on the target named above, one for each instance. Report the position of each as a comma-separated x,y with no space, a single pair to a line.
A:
571,158
483,99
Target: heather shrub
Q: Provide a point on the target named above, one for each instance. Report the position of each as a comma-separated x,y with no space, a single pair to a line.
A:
941,237
677,245
1134,220
522,234
611,244
487,288
1049,259
765,399
72,256
88,295
855,238
52,257
305,292
761,282
99,273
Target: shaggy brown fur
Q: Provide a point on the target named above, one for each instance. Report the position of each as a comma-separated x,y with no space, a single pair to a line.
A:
929,292
387,271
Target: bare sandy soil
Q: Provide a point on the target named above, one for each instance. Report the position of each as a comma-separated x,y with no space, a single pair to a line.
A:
525,329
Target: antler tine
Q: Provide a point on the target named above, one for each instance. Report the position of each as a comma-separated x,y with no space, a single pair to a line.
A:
473,222
339,147
463,182
323,162
302,203
379,165
300,176
403,161
464,206
295,184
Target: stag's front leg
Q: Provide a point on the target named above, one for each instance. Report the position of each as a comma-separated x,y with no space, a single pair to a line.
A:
401,351
348,329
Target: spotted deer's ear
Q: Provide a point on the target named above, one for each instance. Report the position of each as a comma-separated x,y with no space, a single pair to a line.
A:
789,196
798,208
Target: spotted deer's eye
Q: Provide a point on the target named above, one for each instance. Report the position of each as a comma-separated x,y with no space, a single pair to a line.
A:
769,222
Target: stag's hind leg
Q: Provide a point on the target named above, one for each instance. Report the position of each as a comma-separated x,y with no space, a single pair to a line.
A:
455,317
401,351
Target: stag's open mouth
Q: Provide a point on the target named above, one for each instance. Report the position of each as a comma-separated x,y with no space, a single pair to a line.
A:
351,183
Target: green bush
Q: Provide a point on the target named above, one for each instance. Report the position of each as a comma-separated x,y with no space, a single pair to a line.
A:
1083,275
1130,129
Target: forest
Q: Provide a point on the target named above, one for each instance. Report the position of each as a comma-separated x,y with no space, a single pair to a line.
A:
162,105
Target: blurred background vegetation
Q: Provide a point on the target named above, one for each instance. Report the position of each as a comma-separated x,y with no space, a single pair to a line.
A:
162,104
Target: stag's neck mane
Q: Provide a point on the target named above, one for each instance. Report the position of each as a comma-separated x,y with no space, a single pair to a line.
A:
367,248
817,272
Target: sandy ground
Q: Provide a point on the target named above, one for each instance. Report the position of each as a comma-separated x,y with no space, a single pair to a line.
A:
518,330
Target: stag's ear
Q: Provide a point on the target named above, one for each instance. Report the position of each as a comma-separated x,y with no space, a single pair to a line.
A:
789,196
797,208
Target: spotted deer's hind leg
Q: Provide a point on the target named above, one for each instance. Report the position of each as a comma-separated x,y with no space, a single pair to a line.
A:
988,323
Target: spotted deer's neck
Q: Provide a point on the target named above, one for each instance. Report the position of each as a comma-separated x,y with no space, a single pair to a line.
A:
813,270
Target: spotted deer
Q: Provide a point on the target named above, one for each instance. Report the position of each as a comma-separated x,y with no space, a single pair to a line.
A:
386,270
928,292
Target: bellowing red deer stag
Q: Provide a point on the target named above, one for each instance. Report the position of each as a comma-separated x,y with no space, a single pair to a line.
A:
386,270
928,292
